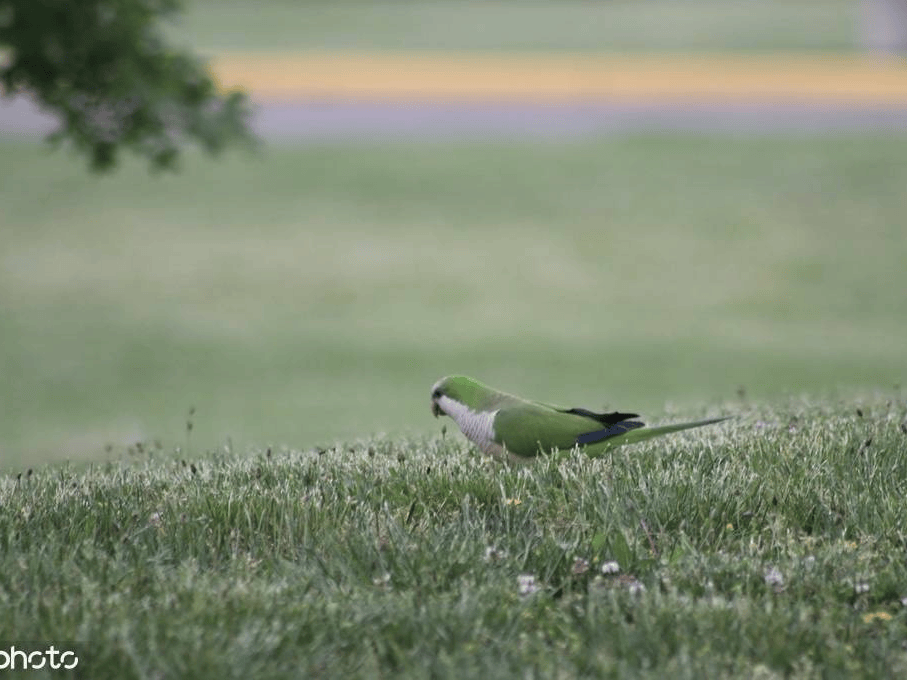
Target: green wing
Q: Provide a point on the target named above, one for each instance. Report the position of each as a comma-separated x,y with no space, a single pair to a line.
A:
529,428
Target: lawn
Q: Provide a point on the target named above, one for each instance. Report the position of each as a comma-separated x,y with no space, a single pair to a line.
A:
313,295
622,25
768,547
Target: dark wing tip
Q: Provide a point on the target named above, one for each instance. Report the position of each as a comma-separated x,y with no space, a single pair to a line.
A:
603,418
612,431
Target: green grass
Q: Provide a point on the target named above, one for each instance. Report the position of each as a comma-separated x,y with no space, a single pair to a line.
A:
700,25
314,295
769,547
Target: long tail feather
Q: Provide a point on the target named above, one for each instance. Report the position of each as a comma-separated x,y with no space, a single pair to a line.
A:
643,433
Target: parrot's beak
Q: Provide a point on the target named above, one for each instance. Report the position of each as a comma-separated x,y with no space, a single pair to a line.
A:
435,409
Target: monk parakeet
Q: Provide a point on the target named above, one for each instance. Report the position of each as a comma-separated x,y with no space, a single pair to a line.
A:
499,423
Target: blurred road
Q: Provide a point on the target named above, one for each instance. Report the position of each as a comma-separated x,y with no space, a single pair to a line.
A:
357,120
357,95
303,121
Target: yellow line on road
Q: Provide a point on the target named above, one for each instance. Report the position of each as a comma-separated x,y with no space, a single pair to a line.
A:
561,77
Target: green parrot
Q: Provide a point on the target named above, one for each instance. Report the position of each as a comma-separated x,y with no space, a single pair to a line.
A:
503,424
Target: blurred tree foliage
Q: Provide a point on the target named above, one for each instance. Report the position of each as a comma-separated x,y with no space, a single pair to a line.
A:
103,68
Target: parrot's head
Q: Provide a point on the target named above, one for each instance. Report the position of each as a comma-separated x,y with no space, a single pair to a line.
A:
438,391
456,390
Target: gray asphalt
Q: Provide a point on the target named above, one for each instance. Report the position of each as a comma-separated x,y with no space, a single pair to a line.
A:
366,120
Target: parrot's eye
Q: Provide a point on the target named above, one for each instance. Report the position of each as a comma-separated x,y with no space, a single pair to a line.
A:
436,394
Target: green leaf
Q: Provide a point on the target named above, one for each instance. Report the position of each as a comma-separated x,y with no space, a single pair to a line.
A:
598,543
620,550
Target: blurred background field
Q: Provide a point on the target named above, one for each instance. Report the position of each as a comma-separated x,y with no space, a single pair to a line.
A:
313,292
316,293
684,25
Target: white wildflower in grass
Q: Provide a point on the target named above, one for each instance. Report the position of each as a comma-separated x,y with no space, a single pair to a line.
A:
493,554
610,567
580,566
155,519
860,588
526,584
636,587
774,577
904,601
382,581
